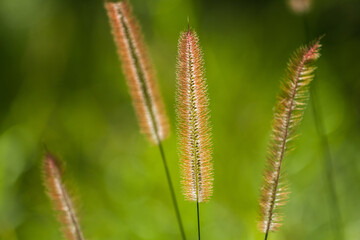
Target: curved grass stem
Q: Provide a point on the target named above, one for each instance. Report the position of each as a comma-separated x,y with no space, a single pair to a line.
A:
328,168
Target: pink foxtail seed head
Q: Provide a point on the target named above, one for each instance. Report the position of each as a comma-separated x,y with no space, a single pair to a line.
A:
288,113
138,71
193,116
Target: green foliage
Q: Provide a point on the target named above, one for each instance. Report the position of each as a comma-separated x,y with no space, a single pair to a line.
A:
62,84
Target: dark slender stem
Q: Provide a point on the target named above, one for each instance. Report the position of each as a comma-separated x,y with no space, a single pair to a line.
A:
173,196
328,162
266,235
198,218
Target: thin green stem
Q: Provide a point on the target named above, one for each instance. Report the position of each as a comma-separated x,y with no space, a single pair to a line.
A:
266,235
198,218
173,196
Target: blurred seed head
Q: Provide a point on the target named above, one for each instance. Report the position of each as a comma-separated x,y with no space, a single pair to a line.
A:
138,71
300,6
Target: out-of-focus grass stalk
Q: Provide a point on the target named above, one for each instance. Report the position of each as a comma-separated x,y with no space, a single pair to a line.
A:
335,213
60,198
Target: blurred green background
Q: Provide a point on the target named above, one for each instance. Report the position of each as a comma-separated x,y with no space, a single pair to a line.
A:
61,84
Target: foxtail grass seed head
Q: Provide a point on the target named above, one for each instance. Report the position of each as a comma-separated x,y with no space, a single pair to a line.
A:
288,113
193,117
138,71
60,199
